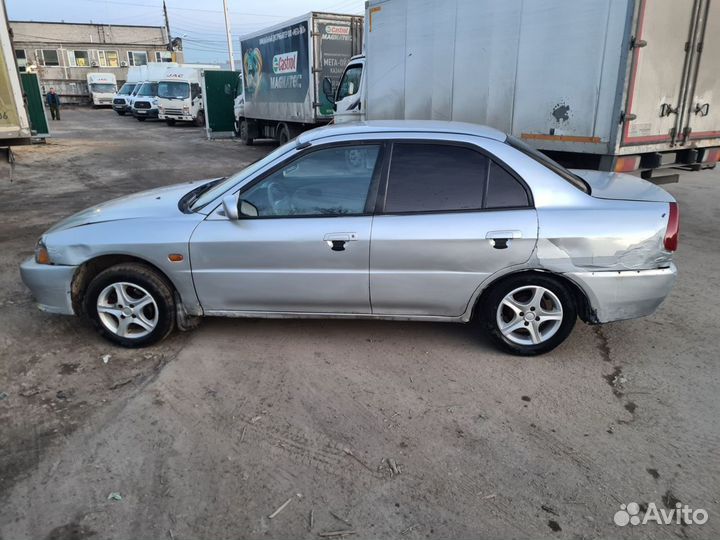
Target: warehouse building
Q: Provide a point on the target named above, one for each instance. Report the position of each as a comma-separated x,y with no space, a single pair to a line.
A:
62,54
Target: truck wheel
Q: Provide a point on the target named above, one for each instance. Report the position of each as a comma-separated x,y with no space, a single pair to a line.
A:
244,133
170,122
131,305
283,135
200,119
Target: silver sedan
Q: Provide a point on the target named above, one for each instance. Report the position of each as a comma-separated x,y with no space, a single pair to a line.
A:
426,221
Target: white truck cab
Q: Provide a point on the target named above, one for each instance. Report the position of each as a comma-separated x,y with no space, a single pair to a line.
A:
350,95
180,95
102,88
239,104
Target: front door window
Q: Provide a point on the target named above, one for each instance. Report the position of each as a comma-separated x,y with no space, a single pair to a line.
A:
328,182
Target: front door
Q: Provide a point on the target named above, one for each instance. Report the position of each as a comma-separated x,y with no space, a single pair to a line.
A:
348,101
452,217
307,250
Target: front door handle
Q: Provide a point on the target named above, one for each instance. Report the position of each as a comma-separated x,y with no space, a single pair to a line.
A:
336,241
501,239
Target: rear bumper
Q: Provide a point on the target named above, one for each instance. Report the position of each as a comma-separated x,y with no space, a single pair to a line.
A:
50,285
628,294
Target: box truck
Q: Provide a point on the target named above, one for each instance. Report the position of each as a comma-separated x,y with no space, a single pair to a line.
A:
180,94
283,70
14,120
102,88
144,103
624,85
123,99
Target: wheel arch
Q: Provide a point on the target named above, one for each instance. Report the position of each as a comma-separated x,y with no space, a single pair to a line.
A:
584,306
92,267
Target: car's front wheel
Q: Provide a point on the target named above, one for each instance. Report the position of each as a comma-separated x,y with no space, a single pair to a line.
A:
530,315
131,305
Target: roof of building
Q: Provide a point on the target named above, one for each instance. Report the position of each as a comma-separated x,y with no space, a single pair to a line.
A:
88,24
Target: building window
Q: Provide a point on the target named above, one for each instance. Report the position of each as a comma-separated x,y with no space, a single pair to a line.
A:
47,57
137,58
79,58
108,59
21,60
163,56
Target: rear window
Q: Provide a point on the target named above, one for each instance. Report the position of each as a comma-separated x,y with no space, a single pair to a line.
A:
555,167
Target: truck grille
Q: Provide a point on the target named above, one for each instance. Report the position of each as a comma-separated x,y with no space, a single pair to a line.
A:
142,104
173,111
119,101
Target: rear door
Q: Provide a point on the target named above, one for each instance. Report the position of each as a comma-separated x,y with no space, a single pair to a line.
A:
703,109
449,217
659,65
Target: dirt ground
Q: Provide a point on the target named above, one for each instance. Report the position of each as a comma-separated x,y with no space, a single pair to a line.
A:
208,433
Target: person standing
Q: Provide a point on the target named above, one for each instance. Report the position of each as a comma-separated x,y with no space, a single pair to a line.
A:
53,101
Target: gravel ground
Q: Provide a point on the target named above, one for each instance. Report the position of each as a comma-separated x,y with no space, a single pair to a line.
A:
208,433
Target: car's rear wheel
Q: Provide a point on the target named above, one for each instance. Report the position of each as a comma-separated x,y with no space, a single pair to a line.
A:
530,315
131,305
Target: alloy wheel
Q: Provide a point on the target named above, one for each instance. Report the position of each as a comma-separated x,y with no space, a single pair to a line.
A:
127,310
529,315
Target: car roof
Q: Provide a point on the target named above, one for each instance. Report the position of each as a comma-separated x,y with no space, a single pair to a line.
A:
402,126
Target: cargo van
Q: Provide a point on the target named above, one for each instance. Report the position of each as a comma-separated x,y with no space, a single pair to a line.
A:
102,88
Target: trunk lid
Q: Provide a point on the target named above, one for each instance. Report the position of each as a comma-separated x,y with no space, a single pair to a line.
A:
610,185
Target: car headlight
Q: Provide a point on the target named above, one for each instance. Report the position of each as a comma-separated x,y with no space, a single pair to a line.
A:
155,101
161,108
186,110
41,253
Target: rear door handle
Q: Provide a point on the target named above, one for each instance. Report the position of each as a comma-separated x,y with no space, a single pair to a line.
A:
336,241
501,239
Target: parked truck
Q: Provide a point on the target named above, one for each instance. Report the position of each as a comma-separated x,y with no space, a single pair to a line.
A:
144,103
123,99
180,94
102,88
14,120
283,70
623,85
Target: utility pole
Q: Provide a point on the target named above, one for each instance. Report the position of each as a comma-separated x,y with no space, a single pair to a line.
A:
167,27
229,36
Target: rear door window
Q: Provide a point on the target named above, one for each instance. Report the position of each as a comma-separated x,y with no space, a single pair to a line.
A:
504,190
431,177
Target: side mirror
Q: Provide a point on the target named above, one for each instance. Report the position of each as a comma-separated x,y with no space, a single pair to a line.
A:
248,209
328,90
230,206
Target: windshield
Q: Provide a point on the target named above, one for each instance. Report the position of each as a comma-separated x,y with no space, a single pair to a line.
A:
127,88
218,189
148,89
103,88
554,166
173,90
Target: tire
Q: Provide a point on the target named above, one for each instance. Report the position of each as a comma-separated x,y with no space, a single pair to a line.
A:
121,113
283,135
511,308
200,119
122,322
244,132
170,122
141,118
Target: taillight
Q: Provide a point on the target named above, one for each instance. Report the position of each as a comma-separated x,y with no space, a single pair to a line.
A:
673,228
712,155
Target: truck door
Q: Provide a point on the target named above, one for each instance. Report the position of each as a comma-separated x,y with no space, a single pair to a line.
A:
659,65
702,112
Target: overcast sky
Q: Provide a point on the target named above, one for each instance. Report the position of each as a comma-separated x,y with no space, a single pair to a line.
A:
200,24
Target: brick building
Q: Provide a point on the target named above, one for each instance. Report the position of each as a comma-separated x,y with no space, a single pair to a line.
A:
64,53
